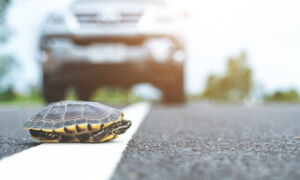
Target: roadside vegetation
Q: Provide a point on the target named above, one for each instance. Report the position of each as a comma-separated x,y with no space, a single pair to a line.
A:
234,86
10,97
4,30
288,96
115,96
108,95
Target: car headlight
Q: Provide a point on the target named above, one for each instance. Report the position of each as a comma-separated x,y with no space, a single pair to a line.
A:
59,47
179,56
57,19
160,48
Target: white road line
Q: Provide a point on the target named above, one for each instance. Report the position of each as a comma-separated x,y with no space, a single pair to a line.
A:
73,161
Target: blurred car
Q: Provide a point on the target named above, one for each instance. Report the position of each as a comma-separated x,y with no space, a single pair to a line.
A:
113,43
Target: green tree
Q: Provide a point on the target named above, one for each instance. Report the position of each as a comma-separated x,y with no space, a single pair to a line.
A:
235,85
4,32
288,96
7,63
3,6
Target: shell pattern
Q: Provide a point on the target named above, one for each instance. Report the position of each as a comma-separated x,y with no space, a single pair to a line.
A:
67,113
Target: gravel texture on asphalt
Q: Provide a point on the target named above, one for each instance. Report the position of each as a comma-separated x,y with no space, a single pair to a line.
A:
13,138
203,141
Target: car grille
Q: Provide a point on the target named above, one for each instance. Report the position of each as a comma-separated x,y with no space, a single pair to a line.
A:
98,18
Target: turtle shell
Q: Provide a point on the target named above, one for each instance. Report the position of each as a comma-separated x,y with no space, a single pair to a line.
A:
73,116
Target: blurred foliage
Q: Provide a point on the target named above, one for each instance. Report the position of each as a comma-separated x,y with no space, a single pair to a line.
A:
114,96
3,6
7,64
107,95
9,96
71,94
4,31
288,96
234,86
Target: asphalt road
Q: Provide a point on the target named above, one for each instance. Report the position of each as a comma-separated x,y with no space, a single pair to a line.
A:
13,138
201,141
195,141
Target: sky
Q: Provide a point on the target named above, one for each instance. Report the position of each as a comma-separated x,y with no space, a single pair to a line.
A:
267,30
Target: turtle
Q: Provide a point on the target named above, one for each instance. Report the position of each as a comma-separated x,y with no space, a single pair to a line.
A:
77,121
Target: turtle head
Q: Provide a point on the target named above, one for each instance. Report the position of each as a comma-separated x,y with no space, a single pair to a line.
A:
121,126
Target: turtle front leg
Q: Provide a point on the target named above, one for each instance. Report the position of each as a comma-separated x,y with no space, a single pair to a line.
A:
45,137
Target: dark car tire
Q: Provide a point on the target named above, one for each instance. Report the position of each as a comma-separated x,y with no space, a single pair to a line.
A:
52,92
84,93
174,94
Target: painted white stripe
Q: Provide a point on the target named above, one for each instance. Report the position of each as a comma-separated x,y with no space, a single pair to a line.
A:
73,161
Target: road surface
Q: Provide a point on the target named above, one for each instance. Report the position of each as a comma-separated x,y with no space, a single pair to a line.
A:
195,141
13,138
